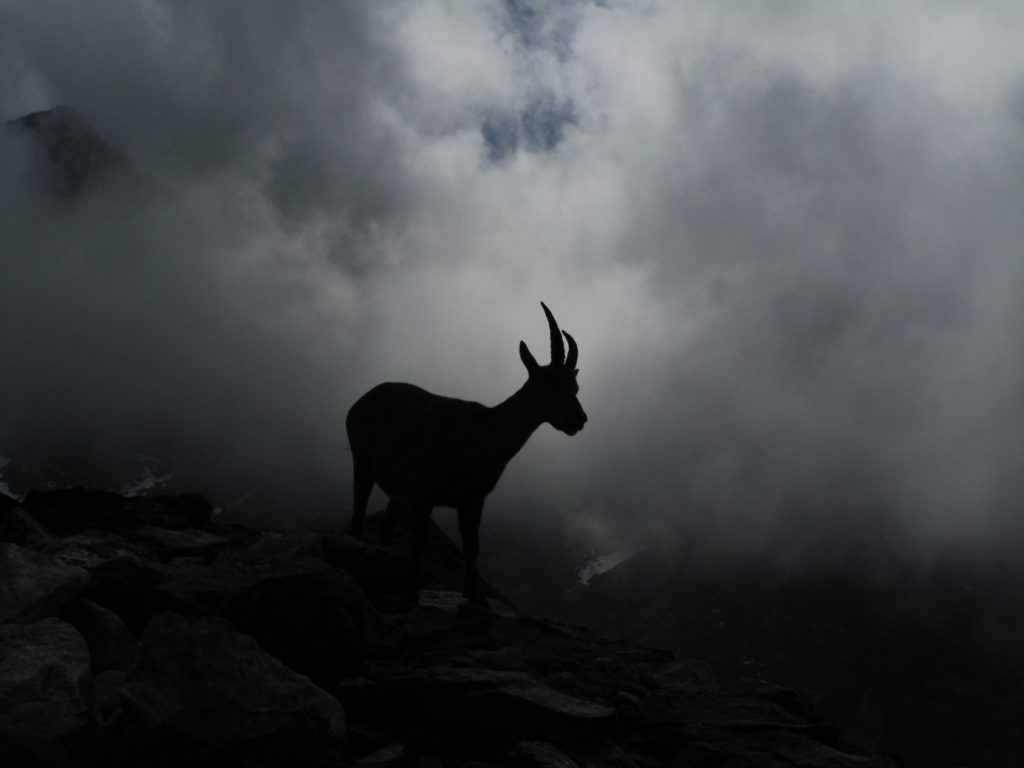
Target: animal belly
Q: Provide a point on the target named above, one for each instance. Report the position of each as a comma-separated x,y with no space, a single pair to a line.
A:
422,476
433,492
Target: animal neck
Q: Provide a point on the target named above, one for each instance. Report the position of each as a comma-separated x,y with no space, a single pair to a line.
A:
514,421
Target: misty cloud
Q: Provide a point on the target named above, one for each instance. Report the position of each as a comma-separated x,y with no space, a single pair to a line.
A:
786,237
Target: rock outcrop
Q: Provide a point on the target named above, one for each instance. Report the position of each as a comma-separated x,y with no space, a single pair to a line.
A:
34,585
136,632
47,699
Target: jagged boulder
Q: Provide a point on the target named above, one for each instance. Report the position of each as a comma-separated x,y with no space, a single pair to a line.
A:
203,689
7,503
111,644
311,616
47,701
473,709
19,527
122,573
380,571
170,543
70,511
109,684
35,585
194,508
538,754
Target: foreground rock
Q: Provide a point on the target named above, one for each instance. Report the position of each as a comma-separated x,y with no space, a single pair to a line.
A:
198,644
202,688
111,644
19,527
308,614
33,585
47,701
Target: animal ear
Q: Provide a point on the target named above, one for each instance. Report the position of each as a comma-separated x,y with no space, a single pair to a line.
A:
528,359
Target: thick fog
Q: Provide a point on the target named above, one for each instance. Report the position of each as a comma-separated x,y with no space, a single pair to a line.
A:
787,237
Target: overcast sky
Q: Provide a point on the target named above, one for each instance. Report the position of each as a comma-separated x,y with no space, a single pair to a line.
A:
786,235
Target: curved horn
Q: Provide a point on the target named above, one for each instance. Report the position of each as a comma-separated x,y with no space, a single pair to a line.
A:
557,347
570,359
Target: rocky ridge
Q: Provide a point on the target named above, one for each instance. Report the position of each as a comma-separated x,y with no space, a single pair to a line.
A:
139,632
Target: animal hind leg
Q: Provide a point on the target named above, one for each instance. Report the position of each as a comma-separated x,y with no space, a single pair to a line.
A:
469,530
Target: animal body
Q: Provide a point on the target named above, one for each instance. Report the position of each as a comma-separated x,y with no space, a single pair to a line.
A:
425,450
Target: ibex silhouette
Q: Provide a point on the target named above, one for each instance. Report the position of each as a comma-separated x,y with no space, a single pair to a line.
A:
425,450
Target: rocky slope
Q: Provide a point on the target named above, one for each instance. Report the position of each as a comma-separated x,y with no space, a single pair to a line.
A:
138,632
924,662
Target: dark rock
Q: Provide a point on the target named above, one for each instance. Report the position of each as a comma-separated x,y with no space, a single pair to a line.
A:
111,645
203,689
139,511
772,748
532,707
538,754
507,658
472,709
432,637
67,512
7,503
47,701
688,677
196,509
109,684
311,616
391,754
103,552
792,701
35,585
380,572
702,755
122,573
171,543
19,527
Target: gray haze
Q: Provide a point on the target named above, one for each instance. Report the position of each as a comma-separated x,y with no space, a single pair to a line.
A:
787,236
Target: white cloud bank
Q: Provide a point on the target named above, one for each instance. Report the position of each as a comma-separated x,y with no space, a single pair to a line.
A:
787,237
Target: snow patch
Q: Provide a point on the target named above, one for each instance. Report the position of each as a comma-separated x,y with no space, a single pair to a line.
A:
148,478
4,488
603,563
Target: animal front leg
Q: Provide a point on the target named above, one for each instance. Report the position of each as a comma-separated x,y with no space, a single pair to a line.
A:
469,529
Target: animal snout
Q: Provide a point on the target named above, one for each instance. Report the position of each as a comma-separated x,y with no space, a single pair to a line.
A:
579,422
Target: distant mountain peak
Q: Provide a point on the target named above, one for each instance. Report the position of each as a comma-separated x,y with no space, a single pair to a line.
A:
76,156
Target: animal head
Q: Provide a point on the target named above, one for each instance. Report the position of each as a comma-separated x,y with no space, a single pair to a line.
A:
555,383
